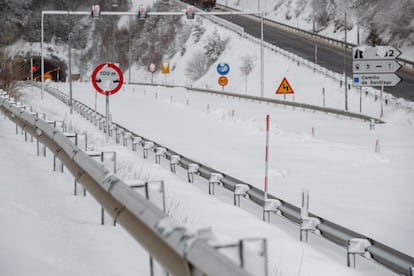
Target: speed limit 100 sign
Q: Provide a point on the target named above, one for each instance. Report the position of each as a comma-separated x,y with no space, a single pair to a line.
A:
107,78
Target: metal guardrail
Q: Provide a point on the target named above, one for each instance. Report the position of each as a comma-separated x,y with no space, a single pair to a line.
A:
176,249
328,110
382,254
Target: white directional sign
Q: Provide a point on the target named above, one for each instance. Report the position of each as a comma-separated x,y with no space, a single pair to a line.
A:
375,53
374,66
376,79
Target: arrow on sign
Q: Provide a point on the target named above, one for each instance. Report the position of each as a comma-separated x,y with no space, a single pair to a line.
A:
284,87
375,53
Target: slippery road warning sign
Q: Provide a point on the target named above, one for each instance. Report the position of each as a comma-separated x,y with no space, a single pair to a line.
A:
284,88
107,78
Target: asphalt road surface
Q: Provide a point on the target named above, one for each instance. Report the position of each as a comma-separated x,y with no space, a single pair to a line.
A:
329,56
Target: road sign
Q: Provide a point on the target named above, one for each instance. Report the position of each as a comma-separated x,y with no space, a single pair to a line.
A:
376,79
165,68
223,68
375,53
223,81
285,87
375,66
107,78
152,68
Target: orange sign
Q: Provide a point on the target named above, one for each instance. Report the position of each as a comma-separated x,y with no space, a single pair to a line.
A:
223,81
284,88
165,68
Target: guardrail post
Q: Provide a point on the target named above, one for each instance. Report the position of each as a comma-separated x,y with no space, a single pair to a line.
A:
307,223
240,190
215,178
41,149
148,145
57,164
356,246
113,159
192,169
271,205
241,255
136,184
135,141
151,264
174,160
240,246
159,152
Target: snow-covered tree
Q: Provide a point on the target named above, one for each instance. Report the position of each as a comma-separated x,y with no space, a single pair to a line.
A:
214,47
198,30
247,68
197,67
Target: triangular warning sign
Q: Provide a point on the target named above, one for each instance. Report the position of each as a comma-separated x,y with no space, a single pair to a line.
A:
284,87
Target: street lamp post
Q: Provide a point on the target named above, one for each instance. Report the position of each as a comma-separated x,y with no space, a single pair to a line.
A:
345,64
313,17
129,53
70,76
261,56
31,72
42,62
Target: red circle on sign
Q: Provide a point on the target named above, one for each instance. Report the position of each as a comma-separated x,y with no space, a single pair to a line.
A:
120,79
223,81
152,68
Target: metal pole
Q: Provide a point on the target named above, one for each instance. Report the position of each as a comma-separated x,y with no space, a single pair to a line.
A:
382,104
70,76
323,94
266,158
261,57
96,99
107,119
313,15
346,80
42,63
129,53
31,72
57,77
360,99
113,42
358,34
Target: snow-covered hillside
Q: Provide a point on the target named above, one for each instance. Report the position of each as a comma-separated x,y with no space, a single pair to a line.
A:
379,22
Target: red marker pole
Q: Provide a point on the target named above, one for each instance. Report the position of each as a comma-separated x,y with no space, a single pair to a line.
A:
266,157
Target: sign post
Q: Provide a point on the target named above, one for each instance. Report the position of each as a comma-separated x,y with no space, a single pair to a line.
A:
165,69
107,79
375,66
152,68
223,69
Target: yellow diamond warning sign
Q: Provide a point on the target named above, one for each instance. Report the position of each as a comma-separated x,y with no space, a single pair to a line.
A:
284,88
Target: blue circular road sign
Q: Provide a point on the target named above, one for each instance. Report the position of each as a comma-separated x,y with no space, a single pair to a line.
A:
223,68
